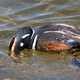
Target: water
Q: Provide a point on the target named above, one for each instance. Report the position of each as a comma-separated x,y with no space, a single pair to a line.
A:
37,65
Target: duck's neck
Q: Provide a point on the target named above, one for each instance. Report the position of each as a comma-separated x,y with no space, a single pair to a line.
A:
34,38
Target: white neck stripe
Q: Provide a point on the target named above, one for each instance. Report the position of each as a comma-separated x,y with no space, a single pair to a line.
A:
33,33
34,42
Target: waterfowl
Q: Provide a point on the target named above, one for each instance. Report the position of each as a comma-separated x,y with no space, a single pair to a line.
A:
51,37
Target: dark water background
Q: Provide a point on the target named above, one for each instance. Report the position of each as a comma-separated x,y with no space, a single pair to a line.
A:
36,65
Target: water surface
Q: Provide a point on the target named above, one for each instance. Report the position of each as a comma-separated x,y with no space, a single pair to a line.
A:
36,65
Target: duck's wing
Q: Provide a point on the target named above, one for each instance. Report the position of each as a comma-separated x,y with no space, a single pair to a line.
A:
58,37
52,41
59,27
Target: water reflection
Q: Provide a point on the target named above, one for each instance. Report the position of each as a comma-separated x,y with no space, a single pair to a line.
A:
19,13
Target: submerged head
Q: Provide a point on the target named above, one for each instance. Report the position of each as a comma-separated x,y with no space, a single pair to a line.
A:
20,41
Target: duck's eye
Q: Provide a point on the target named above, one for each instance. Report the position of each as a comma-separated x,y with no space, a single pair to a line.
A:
21,44
24,36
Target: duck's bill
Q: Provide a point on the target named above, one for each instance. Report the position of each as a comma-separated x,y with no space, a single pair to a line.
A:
13,47
11,42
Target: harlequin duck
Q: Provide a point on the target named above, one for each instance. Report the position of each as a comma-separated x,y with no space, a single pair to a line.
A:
52,37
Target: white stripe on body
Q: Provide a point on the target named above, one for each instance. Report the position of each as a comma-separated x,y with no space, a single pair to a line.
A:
62,32
68,33
34,42
62,24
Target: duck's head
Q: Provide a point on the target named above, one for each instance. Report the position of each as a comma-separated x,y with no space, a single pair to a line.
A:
20,40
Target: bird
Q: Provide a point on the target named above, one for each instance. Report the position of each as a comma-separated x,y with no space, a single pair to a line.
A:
50,37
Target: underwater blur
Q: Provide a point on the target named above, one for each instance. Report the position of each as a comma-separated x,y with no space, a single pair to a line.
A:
37,65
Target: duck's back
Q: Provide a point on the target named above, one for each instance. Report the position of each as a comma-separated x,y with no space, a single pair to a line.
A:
57,37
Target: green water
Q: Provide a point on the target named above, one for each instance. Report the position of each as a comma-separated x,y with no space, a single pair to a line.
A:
36,65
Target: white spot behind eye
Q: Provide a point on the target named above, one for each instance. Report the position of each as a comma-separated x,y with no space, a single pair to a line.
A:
26,35
21,44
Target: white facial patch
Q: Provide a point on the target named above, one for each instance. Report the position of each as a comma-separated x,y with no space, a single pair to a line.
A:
21,44
24,36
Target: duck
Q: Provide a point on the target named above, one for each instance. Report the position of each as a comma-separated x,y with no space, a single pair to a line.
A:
51,37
